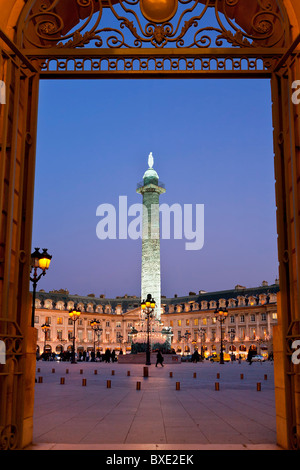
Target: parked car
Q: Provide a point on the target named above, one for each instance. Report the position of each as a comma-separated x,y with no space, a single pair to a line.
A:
216,357
187,358
258,358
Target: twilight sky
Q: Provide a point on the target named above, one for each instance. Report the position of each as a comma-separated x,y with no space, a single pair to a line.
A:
212,145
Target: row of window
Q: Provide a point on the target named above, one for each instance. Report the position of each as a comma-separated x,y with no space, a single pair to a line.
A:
59,335
60,321
232,319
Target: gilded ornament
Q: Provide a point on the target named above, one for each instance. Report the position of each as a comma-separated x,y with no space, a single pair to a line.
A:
159,11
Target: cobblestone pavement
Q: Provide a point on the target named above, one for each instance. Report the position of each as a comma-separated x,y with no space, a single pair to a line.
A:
177,406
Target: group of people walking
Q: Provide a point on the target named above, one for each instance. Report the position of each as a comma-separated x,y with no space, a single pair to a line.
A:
82,356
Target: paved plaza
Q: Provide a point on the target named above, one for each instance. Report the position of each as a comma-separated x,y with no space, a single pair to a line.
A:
159,415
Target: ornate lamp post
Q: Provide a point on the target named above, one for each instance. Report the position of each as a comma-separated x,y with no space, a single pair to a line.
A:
45,328
201,333
74,315
38,261
148,307
232,336
221,315
95,324
186,338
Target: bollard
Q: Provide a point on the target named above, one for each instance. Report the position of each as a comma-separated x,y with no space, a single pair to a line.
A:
195,375
177,385
217,386
171,374
138,385
40,381
95,372
218,375
266,377
53,371
108,384
146,372
242,376
112,372
84,382
67,371
128,373
62,381
258,386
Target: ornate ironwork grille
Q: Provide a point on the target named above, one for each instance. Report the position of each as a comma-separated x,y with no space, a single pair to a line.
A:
167,38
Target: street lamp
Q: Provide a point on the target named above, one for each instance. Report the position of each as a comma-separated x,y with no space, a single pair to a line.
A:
221,315
186,338
38,261
232,336
148,307
95,324
74,315
201,333
45,328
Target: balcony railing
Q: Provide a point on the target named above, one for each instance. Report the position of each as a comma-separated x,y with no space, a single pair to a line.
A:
159,184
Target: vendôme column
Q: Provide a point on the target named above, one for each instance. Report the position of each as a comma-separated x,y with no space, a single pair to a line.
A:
151,189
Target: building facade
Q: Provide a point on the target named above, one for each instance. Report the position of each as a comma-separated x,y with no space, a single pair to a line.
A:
252,314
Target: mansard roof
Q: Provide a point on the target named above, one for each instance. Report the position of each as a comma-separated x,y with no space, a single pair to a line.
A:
224,294
131,302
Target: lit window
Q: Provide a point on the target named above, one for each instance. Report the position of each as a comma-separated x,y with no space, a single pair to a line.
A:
179,322
196,321
59,335
59,320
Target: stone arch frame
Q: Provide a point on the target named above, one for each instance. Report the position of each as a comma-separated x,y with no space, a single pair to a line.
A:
18,136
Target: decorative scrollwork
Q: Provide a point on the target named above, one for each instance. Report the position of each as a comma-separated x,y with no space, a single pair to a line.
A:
159,24
8,437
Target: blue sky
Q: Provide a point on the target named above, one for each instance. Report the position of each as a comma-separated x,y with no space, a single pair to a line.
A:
212,144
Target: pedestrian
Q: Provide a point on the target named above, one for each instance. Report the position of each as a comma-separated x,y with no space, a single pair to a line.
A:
107,355
113,356
249,358
196,356
159,359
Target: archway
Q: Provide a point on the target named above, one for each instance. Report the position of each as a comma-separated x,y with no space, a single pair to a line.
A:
39,41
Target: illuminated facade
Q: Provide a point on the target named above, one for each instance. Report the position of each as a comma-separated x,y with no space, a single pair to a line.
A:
252,314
